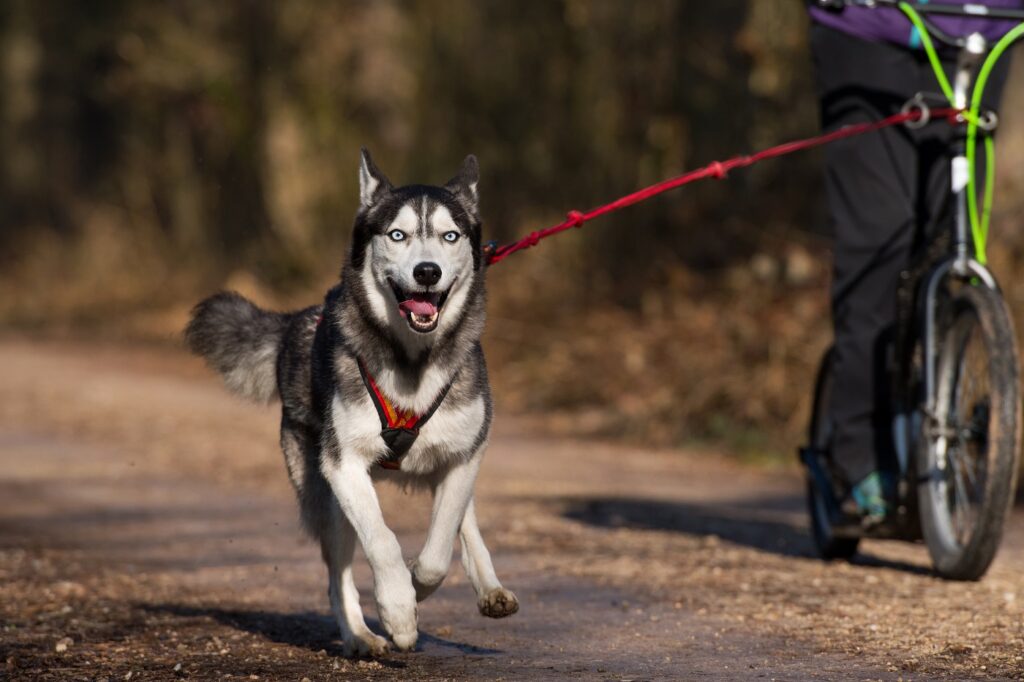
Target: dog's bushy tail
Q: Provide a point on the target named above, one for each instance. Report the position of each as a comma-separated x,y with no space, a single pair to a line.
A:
239,340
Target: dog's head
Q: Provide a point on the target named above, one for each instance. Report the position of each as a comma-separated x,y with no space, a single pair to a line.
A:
416,251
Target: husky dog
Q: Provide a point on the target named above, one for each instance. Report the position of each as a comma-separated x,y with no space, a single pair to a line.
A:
384,381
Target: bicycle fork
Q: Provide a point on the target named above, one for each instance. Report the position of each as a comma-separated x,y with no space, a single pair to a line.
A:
962,265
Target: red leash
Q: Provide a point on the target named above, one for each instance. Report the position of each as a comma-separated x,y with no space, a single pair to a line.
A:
717,170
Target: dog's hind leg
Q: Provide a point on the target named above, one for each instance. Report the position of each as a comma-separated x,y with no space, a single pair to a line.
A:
493,600
338,546
451,496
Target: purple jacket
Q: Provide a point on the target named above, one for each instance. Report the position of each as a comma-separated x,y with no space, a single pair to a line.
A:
891,25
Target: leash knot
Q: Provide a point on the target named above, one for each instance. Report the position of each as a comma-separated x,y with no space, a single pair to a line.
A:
717,170
533,238
574,218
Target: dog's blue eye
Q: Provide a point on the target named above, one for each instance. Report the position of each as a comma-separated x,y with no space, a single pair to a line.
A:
451,237
396,235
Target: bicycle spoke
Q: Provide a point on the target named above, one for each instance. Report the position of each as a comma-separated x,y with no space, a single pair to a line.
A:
964,369
969,469
963,504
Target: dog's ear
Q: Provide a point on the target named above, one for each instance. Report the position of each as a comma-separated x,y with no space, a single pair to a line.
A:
372,183
463,185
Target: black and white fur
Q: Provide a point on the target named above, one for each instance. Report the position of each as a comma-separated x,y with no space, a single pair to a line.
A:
330,431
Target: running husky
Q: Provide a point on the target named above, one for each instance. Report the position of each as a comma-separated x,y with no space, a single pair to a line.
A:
384,381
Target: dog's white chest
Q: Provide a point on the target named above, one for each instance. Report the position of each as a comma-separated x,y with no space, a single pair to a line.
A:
452,433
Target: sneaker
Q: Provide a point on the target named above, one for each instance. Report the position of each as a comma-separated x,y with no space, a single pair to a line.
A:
871,495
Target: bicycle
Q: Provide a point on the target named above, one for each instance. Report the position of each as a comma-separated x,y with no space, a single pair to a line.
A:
954,369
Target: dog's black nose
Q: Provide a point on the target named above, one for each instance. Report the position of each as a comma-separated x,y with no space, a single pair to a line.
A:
427,273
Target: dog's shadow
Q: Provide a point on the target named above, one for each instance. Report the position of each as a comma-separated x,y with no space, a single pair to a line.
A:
307,630
766,525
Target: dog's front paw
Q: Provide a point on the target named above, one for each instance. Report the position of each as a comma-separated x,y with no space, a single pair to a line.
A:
400,623
365,645
405,641
498,603
396,605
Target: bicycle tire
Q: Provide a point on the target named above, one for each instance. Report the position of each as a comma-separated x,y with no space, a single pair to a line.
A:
991,436
826,544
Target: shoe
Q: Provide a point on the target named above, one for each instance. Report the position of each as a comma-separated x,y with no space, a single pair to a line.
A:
872,495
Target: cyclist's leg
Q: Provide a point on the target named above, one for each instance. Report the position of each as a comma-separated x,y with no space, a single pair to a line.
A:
871,185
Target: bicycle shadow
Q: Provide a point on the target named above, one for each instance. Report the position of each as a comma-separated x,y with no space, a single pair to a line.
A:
307,630
773,524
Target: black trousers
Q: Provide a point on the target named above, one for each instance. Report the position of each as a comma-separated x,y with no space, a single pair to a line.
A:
887,191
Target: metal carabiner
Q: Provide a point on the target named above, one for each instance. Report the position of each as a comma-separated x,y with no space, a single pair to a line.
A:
917,103
988,120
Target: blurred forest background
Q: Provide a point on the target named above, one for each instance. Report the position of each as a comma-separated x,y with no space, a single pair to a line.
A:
155,152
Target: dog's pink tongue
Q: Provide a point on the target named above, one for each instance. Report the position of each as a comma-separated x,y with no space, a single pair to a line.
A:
418,306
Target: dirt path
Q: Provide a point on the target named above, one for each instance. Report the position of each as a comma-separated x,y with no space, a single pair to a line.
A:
147,532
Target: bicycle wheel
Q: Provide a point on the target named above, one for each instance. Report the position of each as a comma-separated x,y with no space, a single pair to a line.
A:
968,462
820,495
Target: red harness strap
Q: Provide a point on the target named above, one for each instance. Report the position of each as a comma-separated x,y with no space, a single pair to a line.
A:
398,428
393,416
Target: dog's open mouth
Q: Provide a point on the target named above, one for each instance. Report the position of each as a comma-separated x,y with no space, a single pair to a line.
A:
421,309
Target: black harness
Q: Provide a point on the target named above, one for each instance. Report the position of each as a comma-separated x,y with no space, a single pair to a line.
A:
398,428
